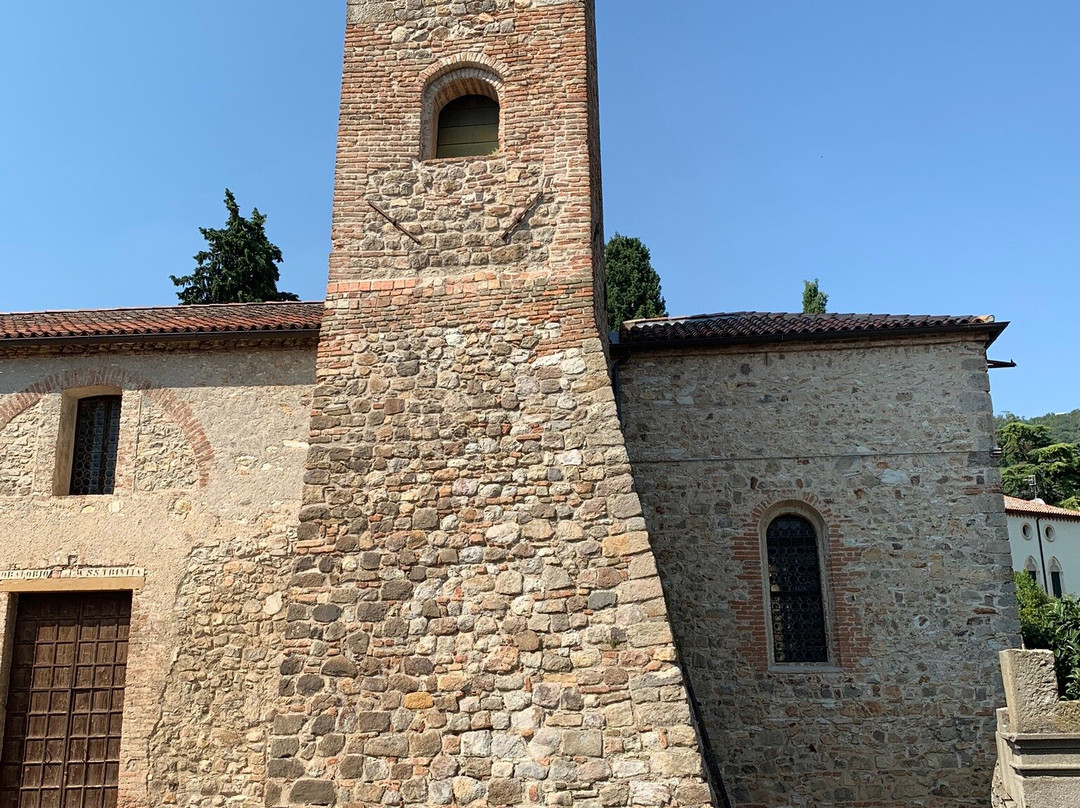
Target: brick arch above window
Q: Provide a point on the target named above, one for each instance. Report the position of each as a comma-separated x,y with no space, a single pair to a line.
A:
837,578
174,407
794,558
452,79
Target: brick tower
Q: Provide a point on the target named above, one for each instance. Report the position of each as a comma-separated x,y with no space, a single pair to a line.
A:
475,615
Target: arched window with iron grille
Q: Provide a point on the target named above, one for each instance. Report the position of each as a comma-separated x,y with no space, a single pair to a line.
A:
796,596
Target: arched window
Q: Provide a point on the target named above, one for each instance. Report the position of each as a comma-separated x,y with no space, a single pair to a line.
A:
468,127
97,434
88,441
1056,587
1032,569
796,600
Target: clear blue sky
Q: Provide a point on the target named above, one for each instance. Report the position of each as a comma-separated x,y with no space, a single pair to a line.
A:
917,157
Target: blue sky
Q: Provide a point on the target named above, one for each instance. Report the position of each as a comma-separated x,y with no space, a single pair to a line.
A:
917,157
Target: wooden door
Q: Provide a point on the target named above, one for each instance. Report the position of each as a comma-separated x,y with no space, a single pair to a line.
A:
61,744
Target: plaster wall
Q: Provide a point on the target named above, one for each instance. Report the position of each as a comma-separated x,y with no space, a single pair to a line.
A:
1060,543
212,449
886,443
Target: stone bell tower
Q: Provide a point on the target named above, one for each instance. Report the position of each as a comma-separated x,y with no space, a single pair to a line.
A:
475,615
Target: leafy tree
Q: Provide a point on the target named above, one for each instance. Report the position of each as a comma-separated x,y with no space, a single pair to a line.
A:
633,286
1018,440
1031,601
1053,624
1064,427
814,301
239,264
1028,451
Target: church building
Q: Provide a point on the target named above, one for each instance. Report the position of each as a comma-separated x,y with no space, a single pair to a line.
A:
442,540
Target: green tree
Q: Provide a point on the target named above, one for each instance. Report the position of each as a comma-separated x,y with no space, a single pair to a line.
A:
1064,426
1056,470
1018,440
1031,601
814,301
633,286
239,264
1028,451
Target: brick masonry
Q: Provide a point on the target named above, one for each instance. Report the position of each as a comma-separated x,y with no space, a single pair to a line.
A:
886,445
475,615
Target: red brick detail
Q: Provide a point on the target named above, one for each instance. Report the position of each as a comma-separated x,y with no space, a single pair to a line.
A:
180,412
847,639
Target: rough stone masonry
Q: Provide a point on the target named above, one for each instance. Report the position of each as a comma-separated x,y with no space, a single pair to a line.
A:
474,614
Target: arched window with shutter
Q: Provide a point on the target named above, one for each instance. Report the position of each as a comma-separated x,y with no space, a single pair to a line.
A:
1032,569
468,127
462,110
796,599
1057,588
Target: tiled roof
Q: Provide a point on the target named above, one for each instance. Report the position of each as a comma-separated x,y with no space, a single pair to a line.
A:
1014,505
237,319
758,326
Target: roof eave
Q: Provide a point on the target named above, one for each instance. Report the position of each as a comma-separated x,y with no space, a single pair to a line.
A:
261,334
991,330
1043,515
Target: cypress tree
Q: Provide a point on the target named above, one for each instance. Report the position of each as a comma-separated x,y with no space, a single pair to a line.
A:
239,264
633,286
814,300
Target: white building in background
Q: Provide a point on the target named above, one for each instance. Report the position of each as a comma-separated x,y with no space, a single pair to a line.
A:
1045,544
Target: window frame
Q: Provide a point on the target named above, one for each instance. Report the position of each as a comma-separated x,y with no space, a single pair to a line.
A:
1057,579
456,81
1031,567
65,440
442,126
804,511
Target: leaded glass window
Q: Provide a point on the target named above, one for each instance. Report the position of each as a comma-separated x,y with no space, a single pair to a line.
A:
97,435
797,607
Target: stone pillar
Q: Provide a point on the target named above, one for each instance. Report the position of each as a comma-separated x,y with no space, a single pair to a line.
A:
474,613
1038,736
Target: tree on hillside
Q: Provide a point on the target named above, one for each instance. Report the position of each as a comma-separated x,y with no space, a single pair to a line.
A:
1028,451
1064,427
1018,440
814,301
239,264
633,286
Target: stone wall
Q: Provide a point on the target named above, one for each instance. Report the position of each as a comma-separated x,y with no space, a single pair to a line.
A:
886,443
209,477
1038,739
19,441
475,617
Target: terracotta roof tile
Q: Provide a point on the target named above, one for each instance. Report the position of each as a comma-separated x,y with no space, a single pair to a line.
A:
153,321
758,326
1014,505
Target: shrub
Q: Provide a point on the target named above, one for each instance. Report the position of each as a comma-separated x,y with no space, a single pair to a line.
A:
1046,622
